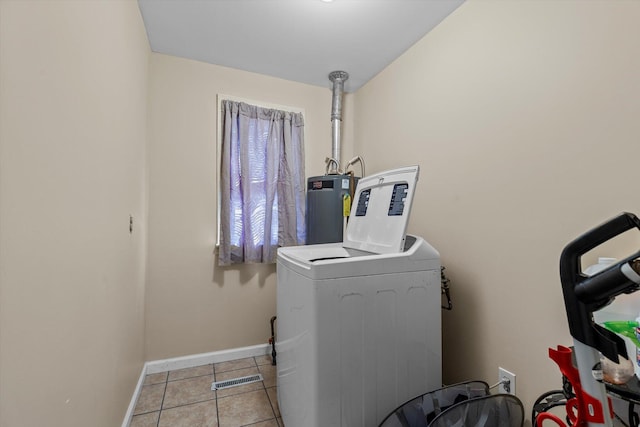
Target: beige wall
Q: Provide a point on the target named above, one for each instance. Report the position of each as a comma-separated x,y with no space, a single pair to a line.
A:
524,119
73,96
522,116
192,305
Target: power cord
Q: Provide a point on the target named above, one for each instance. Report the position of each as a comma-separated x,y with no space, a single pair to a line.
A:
505,382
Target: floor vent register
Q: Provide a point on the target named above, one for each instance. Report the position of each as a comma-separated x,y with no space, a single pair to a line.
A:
220,385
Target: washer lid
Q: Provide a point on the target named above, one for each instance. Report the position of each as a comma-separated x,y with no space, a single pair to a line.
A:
380,211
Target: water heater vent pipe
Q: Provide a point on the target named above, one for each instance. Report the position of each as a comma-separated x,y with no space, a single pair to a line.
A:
337,78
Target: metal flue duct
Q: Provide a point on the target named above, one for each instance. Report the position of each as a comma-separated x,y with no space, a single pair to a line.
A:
337,78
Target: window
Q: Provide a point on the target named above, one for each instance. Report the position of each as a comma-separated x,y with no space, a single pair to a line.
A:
262,198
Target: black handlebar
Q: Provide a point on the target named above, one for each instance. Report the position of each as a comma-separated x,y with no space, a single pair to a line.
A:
570,258
583,294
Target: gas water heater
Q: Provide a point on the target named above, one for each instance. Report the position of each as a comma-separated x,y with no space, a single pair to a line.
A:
327,198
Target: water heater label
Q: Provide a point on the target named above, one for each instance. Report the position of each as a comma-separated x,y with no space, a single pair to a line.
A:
363,202
319,185
345,184
399,196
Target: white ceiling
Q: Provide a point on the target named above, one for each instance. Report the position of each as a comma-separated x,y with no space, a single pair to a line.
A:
299,40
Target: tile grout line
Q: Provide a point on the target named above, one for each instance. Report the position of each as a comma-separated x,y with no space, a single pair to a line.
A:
187,379
275,416
166,382
217,406
264,387
213,368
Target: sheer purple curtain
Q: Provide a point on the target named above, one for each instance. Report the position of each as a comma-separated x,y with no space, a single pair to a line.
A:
262,191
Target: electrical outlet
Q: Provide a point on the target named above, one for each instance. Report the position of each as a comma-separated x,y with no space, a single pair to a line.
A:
507,381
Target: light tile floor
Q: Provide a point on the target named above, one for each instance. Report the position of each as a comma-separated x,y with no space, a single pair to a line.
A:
183,398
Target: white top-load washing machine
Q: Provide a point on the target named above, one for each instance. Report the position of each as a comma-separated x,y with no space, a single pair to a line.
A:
359,322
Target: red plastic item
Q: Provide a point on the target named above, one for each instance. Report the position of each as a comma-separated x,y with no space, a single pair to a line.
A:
549,416
581,409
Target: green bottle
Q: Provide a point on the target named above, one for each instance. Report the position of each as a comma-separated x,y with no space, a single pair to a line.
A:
625,328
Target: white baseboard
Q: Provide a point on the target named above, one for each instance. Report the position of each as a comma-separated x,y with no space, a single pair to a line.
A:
206,358
134,398
155,366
